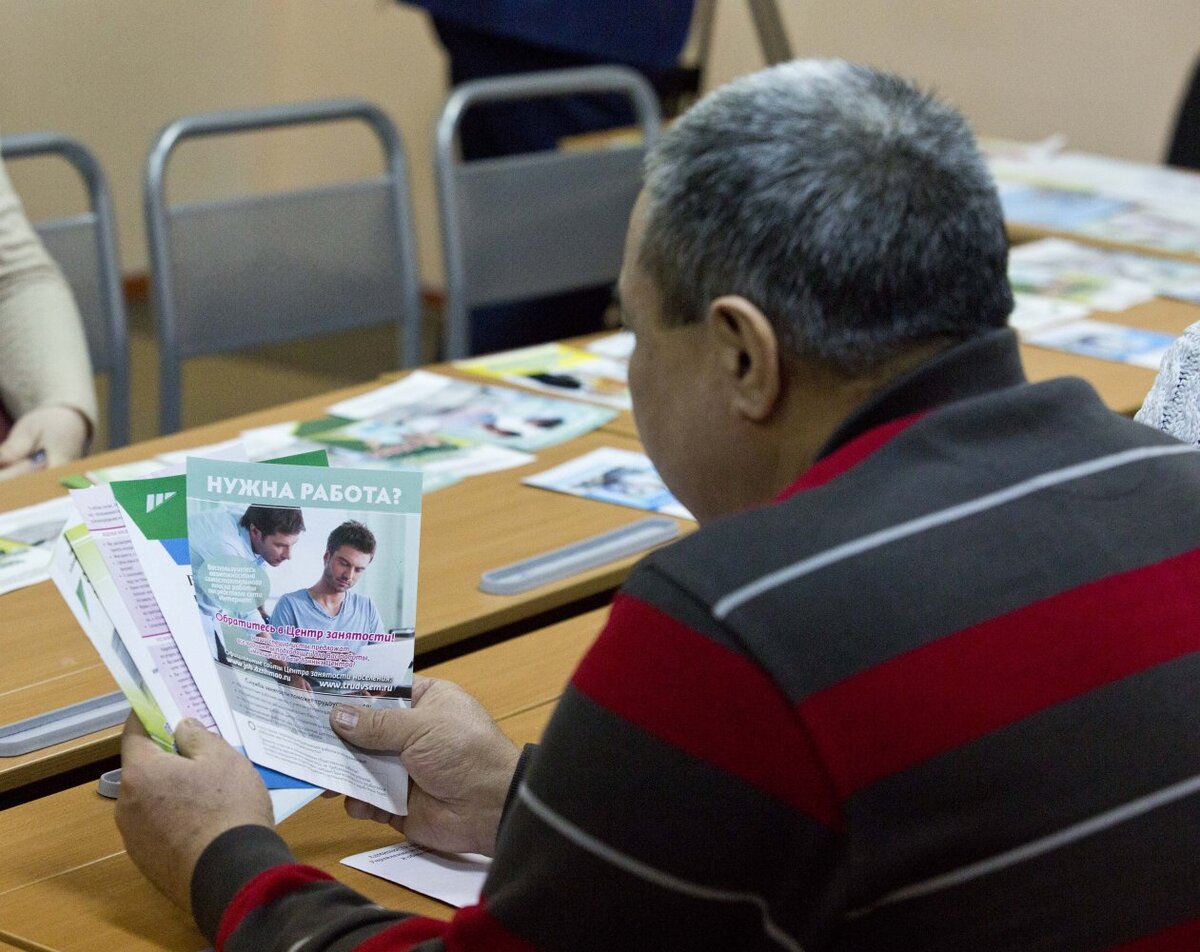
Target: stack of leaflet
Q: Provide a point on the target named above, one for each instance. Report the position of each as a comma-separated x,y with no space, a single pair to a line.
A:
445,428
180,591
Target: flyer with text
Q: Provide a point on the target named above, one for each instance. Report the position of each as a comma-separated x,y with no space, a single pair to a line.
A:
306,580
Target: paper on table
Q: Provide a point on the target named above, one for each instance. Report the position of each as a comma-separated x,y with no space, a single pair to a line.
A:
1033,313
1063,209
618,346
453,878
27,538
612,475
1067,271
1129,345
425,403
1052,257
166,463
558,369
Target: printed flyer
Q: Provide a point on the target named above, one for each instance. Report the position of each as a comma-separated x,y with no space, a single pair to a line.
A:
611,475
558,369
306,581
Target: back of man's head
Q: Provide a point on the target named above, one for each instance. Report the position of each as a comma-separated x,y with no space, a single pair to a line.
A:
854,210
270,520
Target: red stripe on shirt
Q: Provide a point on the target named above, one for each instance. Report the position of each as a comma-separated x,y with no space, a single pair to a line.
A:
960,687
262,890
474,928
1181,938
849,455
708,701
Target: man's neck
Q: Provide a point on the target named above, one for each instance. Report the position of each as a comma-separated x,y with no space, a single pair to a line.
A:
329,599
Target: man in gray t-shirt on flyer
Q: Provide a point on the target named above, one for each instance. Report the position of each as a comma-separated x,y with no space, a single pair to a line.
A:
329,605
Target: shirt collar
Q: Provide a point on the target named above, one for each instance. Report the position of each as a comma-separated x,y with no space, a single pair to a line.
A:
977,366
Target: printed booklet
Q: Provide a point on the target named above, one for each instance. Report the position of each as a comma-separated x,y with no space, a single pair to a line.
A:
254,597
306,582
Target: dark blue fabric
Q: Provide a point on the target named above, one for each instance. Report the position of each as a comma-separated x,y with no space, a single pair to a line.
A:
530,125
648,33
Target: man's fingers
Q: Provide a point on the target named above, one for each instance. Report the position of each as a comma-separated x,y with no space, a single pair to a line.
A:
420,685
359,810
383,729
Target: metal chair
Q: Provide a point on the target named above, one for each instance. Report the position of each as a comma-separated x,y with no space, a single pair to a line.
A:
85,248
541,223
271,268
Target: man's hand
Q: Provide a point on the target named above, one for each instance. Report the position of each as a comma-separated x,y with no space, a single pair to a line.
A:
59,433
459,761
171,807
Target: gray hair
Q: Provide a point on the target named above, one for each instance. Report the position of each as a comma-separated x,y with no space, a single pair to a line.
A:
849,206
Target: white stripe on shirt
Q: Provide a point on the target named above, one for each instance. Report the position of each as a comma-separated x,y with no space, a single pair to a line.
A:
814,563
635,867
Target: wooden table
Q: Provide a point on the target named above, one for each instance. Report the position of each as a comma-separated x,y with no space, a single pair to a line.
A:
66,884
481,523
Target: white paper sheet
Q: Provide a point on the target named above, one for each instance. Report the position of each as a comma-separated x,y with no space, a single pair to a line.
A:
27,538
453,878
612,475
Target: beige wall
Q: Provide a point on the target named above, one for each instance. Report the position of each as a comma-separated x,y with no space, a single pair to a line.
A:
1106,73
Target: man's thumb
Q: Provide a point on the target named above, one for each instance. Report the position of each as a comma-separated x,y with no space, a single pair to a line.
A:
192,740
385,729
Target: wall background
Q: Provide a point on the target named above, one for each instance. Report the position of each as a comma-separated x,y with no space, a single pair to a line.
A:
1105,73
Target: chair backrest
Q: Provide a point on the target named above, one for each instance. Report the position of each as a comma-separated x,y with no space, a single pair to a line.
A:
537,224
85,248
1184,149
277,267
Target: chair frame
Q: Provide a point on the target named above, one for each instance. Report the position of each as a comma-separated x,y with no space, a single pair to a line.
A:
449,164
112,322
158,216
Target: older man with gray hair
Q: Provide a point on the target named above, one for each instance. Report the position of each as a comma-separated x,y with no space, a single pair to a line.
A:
926,678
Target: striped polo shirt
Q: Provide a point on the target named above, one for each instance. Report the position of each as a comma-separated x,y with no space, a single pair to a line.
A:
941,695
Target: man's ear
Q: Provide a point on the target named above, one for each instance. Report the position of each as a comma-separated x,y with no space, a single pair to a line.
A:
747,356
